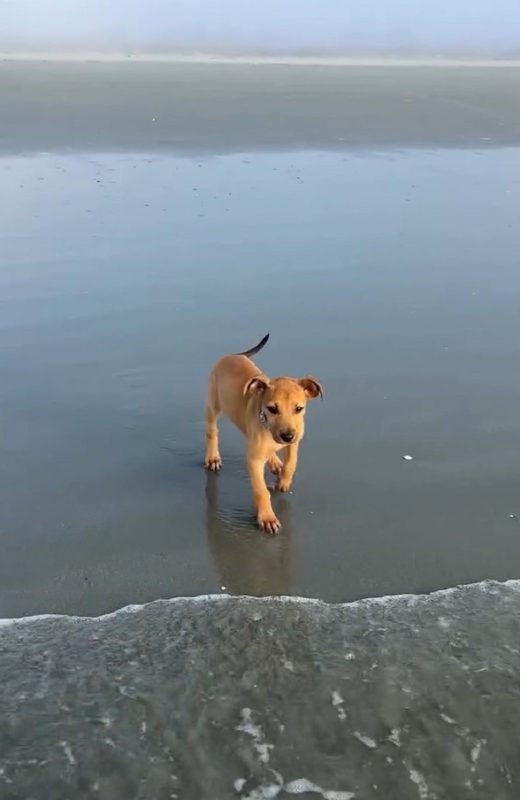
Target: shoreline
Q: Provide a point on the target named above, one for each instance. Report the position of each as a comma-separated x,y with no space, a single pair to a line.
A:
487,585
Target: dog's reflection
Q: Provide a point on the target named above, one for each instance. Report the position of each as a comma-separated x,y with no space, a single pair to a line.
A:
246,560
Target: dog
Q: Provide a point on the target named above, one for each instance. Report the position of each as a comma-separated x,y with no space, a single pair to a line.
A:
269,412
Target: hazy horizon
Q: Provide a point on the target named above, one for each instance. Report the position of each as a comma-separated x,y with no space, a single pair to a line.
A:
269,28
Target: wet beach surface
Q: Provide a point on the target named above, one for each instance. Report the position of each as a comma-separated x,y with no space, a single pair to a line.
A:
154,219
225,108
386,267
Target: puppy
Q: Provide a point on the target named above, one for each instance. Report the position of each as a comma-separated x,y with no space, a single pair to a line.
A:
269,412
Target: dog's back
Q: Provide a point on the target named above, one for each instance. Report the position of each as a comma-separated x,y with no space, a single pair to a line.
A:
227,380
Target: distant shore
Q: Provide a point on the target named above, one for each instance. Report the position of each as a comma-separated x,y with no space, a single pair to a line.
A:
308,60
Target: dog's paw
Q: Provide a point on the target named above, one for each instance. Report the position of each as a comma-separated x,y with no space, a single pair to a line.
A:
283,485
269,522
213,464
275,464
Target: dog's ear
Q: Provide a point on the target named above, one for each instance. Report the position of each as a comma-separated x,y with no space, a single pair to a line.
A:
311,387
256,385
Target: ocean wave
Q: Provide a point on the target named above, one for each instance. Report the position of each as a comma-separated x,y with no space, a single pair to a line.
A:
488,585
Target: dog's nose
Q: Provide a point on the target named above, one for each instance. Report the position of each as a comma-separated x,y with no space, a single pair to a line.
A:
287,436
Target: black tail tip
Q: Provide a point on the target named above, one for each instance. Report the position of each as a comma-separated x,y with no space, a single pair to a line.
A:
256,348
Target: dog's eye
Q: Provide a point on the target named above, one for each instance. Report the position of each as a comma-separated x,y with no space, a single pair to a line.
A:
298,409
272,409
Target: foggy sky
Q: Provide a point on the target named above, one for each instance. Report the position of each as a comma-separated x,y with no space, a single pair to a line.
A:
286,27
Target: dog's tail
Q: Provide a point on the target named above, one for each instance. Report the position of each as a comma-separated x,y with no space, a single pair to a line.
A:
256,348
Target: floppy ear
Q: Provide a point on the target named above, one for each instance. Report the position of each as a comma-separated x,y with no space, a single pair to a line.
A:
311,387
256,385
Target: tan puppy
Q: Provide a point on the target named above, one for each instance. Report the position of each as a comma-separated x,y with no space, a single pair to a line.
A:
270,414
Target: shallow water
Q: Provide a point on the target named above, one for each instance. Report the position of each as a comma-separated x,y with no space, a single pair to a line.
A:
369,223
369,220
393,277
415,698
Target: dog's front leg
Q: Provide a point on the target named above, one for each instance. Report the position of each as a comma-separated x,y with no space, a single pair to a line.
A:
290,460
265,515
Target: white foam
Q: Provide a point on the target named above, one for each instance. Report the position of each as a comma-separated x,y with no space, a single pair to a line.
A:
337,702
418,778
395,737
265,792
366,740
255,731
487,586
4,776
69,755
302,785
476,750
129,609
448,720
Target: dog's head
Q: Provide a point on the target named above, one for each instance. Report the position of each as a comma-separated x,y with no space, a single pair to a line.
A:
283,402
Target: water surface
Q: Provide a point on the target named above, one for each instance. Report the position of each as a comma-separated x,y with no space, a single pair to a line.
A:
392,276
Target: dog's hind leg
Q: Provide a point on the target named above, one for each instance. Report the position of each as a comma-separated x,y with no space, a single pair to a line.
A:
212,461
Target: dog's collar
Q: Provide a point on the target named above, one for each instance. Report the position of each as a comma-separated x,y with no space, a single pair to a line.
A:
262,417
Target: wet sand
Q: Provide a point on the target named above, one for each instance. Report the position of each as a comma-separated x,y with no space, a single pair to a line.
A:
208,108
367,219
